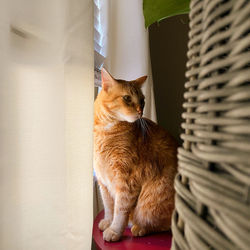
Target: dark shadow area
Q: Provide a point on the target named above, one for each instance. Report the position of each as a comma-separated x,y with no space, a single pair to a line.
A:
168,49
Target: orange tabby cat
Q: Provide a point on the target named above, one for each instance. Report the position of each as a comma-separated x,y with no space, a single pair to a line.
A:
134,161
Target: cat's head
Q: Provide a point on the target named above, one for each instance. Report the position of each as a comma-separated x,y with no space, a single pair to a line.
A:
122,99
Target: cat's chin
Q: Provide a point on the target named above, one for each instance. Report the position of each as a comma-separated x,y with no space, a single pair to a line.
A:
129,119
132,120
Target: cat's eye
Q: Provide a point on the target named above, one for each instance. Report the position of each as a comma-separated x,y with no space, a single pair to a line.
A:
127,98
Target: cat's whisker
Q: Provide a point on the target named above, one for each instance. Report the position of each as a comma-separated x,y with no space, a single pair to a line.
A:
148,129
141,126
145,125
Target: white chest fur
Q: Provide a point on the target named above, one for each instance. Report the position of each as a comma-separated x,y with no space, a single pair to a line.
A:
101,173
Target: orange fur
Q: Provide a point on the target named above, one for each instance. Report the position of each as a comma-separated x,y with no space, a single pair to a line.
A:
135,172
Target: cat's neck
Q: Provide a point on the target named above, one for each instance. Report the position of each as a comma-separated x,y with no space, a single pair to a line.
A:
103,119
106,122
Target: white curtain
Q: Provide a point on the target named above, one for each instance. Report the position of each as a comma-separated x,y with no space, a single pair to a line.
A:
46,110
100,32
128,54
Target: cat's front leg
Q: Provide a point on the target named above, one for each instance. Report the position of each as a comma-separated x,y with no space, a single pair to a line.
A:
108,208
124,201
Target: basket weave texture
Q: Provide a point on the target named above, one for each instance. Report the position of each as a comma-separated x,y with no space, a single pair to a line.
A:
213,183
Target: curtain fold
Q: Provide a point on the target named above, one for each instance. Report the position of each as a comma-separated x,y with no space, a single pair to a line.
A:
46,111
100,36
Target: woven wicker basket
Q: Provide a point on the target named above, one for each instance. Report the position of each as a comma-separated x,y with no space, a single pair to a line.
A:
213,183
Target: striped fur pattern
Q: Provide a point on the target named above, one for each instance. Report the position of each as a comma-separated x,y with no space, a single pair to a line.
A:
134,161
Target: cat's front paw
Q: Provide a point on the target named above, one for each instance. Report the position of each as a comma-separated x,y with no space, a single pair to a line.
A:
137,231
104,224
111,235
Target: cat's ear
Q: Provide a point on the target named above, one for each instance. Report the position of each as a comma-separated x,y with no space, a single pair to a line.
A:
107,80
139,81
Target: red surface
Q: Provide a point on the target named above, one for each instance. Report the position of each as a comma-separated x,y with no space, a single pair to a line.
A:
157,241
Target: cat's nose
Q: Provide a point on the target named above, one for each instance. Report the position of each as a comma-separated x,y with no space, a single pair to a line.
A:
139,110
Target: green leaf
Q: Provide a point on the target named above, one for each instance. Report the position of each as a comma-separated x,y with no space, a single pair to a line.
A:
156,10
